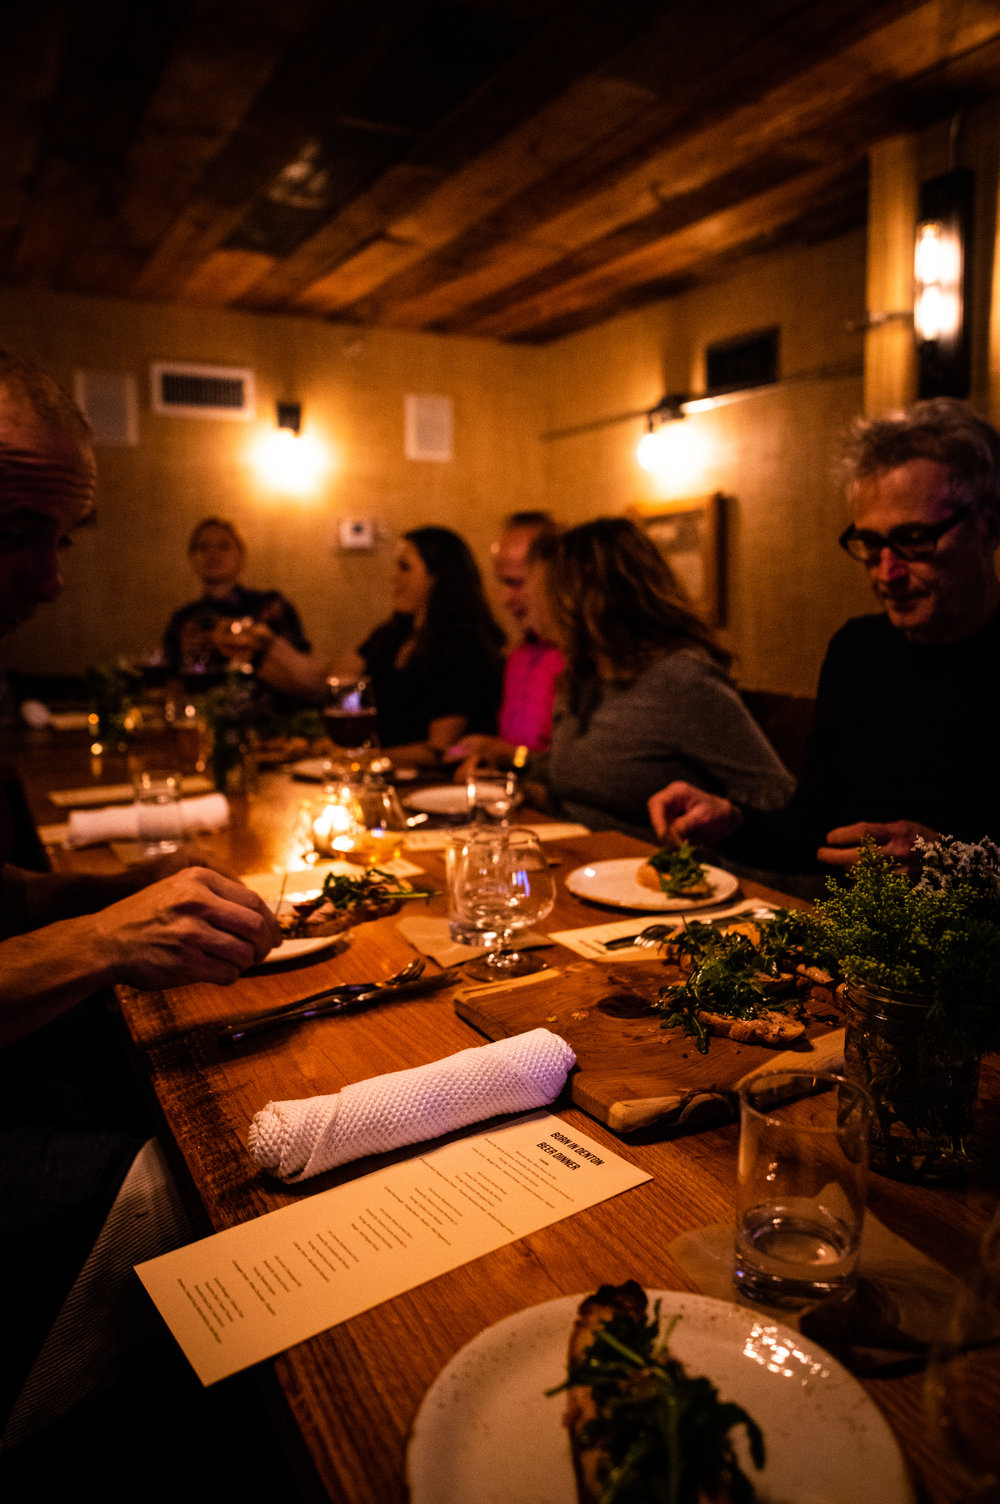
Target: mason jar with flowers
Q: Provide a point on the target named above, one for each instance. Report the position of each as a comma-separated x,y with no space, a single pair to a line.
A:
920,955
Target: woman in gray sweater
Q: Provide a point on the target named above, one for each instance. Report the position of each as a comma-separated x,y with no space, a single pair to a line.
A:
646,696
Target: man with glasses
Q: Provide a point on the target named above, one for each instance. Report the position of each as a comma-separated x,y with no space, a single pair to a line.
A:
904,742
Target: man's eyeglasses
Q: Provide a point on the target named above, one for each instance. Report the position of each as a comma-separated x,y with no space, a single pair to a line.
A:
911,540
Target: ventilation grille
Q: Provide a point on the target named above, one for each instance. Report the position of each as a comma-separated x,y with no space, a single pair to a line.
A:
202,391
734,364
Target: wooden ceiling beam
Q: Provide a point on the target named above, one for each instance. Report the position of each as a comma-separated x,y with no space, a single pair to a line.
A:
584,114
837,107
512,125
736,226
594,116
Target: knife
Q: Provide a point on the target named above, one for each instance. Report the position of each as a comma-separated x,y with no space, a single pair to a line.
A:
333,1000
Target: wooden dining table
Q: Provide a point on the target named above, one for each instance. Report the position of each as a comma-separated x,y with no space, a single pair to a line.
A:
350,1394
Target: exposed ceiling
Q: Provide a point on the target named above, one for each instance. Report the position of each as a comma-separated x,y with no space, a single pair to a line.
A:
511,169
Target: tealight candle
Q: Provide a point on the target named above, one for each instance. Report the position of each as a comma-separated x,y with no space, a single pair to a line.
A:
335,827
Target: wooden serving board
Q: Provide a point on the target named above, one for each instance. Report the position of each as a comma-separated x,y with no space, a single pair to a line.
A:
630,1072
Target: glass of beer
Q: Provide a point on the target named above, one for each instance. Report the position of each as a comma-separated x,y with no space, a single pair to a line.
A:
349,716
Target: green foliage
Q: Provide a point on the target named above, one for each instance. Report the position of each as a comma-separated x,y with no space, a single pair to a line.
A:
940,941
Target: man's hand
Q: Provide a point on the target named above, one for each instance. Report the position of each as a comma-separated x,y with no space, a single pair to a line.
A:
682,812
896,839
196,926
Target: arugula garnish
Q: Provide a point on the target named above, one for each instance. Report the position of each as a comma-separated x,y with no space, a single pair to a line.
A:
665,1433
730,974
677,868
343,892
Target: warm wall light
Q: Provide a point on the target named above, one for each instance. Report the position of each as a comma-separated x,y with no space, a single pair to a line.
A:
653,447
287,459
941,284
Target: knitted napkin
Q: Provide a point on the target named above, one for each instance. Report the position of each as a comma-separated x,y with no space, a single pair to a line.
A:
294,1140
120,822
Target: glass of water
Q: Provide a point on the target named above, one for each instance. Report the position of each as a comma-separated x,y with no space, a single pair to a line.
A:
802,1180
159,816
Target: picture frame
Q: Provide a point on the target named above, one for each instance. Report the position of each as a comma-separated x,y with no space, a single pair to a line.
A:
690,533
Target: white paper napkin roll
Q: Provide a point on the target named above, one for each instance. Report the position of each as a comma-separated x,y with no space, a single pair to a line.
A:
294,1140
120,822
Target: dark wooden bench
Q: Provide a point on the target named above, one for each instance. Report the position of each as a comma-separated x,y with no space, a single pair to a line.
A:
787,722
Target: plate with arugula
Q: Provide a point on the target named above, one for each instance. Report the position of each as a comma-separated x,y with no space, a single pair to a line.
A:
317,908
672,880
491,1427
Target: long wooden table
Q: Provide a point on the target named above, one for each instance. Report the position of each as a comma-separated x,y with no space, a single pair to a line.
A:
353,1391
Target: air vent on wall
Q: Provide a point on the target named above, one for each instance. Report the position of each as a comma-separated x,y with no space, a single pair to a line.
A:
187,391
731,365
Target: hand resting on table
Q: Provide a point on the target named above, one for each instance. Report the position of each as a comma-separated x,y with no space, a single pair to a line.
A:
196,926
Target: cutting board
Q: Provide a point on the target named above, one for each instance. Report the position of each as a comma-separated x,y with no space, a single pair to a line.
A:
630,1072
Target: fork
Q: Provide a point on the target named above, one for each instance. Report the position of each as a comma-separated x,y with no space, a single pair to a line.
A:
653,934
303,1007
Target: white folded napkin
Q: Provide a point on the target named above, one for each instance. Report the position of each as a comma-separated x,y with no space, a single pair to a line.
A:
294,1140
120,822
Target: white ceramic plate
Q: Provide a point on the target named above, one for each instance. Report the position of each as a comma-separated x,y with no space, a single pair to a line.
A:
439,799
313,770
486,1433
615,883
299,885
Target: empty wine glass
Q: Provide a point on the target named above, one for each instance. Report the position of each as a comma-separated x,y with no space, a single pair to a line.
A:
501,885
493,796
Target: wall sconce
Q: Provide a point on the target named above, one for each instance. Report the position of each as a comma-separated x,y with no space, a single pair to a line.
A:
290,416
651,450
941,285
285,458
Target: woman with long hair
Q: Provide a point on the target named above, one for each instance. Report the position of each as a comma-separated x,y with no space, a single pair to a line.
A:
436,664
646,695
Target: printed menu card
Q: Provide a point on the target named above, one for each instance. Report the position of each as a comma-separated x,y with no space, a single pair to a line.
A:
246,1294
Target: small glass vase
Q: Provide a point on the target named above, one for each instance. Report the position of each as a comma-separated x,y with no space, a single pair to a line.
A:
924,1085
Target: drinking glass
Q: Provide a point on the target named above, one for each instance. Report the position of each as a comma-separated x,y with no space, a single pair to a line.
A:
802,1179
502,884
462,930
384,823
160,819
349,714
962,1386
493,796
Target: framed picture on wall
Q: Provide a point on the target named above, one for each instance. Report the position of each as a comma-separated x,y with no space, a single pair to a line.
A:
691,536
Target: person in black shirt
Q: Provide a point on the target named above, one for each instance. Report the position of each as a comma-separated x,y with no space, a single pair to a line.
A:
217,555
904,739
436,664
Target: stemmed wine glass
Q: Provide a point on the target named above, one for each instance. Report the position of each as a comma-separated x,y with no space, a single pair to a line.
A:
349,715
493,796
502,884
